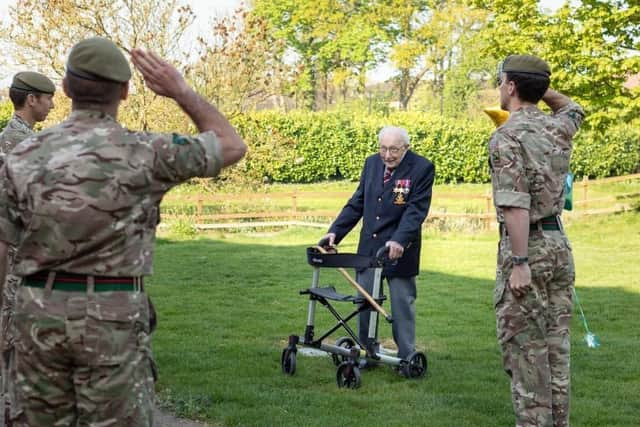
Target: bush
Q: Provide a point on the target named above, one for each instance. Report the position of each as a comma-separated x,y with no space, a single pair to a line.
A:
305,147
617,152
6,111
182,229
302,147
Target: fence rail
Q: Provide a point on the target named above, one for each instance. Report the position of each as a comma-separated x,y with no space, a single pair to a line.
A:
293,215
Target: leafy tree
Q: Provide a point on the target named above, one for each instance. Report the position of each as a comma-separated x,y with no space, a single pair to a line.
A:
40,34
239,66
592,47
426,40
326,39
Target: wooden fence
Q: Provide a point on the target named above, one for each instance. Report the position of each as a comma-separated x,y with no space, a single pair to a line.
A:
292,214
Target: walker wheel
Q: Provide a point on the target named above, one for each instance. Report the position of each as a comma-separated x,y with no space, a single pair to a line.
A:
344,342
348,375
289,361
415,365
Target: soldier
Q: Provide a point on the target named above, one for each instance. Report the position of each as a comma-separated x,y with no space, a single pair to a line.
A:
80,203
529,159
32,96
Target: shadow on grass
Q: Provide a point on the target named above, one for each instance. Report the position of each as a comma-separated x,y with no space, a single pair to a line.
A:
226,309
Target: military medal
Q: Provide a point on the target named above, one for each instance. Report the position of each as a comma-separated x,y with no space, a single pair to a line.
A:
401,191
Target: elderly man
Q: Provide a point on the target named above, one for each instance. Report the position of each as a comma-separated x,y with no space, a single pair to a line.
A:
393,200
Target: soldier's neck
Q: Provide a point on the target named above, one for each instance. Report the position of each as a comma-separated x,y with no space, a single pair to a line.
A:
26,115
111,110
516,104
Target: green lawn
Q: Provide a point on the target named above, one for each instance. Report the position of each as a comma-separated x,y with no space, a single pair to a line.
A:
227,303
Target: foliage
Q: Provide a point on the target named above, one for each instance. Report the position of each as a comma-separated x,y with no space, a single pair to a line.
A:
616,152
238,66
329,40
182,229
309,147
591,45
40,33
428,39
6,111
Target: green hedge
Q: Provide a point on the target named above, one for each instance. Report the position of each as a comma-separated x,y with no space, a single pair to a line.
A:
308,147
301,147
615,153
6,110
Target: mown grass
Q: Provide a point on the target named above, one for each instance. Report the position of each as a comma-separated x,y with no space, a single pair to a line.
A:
228,301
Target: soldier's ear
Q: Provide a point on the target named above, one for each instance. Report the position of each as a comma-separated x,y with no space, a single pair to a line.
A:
65,87
124,91
31,99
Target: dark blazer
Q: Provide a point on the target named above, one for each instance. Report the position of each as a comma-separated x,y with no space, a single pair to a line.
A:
393,211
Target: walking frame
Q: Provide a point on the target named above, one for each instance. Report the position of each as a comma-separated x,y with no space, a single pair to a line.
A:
348,352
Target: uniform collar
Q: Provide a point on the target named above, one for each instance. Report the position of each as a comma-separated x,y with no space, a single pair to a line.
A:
21,121
91,114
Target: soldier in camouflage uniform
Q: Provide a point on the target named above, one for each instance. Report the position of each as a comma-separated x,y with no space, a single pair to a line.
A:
529,159
80,203
32,96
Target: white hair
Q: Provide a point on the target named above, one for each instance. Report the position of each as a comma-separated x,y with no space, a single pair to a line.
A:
397,131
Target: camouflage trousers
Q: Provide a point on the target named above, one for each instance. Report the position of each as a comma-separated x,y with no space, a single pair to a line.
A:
83,359
533,331
7,371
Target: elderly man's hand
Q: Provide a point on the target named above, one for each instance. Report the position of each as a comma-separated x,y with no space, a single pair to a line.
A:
395,249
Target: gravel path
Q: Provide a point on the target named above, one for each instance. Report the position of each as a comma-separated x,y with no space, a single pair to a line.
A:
164,418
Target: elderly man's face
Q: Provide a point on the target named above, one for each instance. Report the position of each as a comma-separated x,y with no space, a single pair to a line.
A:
392,150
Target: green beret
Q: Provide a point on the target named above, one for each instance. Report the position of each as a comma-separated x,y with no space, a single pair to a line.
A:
97,58
526,64
30,81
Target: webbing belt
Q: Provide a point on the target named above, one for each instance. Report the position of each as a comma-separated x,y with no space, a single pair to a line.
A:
70,282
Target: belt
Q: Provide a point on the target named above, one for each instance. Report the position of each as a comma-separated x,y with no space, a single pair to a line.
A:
71,282
548,223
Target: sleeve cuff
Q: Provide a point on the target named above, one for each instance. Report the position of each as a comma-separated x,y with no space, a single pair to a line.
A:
213,153
513,199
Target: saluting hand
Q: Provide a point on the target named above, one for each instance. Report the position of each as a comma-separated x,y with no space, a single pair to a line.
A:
159,75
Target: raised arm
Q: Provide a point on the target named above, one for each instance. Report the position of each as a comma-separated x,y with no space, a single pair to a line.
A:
165,80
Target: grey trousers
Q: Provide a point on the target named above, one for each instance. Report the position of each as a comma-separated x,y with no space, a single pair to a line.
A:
403,310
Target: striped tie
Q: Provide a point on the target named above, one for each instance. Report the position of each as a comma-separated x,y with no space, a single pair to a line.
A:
387,175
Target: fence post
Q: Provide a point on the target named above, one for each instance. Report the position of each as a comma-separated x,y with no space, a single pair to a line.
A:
199,209
585,184
487,219
294,205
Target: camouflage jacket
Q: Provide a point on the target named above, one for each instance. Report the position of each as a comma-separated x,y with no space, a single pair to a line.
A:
83,196
529,159
17,130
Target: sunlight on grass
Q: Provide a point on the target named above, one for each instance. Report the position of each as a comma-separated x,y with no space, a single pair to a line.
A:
228,301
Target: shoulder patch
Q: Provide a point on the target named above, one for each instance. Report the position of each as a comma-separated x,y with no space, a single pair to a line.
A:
179,140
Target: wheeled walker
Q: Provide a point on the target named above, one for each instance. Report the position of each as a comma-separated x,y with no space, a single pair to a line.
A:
347,352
